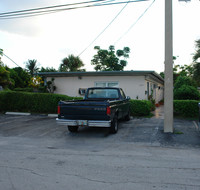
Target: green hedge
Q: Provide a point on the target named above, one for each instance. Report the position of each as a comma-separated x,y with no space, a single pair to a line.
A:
31,102
41,89
140,107
47,103
186,108
23,89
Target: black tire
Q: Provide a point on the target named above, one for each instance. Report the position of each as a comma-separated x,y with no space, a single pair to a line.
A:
73,129
127,117
114,125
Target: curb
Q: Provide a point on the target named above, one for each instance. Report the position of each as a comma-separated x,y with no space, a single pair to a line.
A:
17,113
26,114
52,115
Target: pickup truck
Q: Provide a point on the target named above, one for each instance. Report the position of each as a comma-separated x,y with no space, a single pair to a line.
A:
101,107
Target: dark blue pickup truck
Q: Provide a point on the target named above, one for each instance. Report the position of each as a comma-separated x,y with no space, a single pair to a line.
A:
101,107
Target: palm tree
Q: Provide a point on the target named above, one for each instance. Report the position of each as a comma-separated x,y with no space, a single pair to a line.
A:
1,53
31,66
196,57
71,63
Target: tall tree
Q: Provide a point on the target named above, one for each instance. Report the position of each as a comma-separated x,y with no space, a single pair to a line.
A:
109,60
5,80
31,65
20,77
47,69
196,72
197,53
71,63
1,54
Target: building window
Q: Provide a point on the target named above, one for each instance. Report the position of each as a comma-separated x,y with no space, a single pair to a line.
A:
106,84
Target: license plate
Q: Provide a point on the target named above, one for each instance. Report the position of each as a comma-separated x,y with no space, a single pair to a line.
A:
82,122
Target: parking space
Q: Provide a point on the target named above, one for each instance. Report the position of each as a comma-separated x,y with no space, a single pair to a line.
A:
137,130
36,153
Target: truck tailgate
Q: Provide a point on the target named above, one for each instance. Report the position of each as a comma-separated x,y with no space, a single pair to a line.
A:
86,110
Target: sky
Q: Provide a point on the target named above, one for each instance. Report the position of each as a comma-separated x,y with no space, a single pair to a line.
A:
52,37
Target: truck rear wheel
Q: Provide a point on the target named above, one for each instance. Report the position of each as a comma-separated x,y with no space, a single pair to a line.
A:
73,129
114,125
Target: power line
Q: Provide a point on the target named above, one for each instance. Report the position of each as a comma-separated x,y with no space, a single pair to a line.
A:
135,22
104,29
11,59
42,12
49,7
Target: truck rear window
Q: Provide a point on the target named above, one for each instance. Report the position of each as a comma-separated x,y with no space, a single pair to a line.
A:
103,93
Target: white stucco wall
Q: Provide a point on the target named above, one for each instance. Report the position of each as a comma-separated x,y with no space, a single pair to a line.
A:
133,86
156,89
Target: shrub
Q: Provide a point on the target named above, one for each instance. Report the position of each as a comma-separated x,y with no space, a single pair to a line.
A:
31,102
140,107
47,103
23,89
184,80
186,108
186,92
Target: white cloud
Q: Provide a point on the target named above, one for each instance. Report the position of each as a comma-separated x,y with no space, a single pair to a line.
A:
52,37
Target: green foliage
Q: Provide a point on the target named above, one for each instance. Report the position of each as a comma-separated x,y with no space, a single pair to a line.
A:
185,89
109,60
162,74
197,53
47,103
1,51
184,80
196,73
23,89
48,69
41,89
186,92
140,107
51,86
20,77
5,79
71,64
183,70
186,108
31,65
1,54
30,102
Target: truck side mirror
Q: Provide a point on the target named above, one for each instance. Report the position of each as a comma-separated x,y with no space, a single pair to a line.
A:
128,98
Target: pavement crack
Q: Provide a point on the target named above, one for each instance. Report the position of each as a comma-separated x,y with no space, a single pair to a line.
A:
89,179
24,169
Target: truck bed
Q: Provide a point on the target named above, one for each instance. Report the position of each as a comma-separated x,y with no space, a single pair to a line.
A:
84,110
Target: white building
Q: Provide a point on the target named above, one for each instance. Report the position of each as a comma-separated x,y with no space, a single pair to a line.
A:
136,84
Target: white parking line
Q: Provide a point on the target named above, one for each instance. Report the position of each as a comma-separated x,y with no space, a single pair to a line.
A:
196,126
49,131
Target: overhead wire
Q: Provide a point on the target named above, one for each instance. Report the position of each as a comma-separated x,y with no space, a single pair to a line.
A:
49,7
17,14
42,11
134,22
105,28
11,59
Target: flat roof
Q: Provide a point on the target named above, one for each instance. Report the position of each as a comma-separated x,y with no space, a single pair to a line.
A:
103,73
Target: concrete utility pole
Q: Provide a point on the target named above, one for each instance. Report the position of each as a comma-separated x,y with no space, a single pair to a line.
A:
168,93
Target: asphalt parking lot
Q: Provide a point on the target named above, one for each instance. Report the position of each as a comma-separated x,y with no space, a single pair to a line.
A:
35,153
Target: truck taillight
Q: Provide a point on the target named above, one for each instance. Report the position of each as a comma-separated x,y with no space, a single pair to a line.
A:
108,110
58,110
